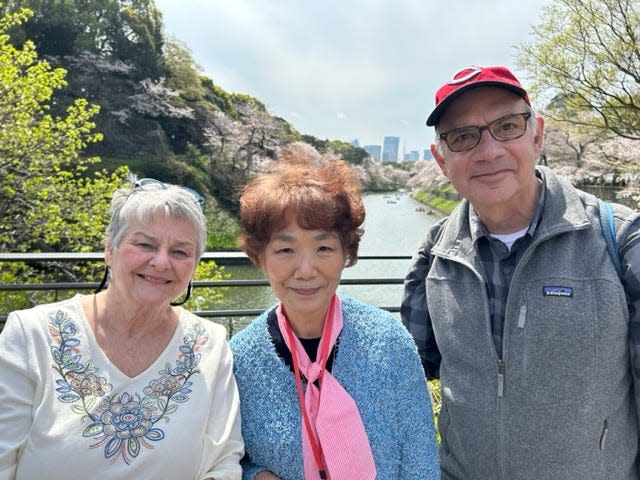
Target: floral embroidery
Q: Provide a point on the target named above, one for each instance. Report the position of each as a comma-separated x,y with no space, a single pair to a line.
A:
122,423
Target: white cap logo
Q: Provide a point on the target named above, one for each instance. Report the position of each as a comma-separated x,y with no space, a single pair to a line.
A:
473,71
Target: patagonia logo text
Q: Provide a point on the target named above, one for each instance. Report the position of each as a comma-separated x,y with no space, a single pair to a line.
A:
557,291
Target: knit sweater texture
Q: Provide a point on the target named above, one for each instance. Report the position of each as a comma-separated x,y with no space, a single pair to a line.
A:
376,362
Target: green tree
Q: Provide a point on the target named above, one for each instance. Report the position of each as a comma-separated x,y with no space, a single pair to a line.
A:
138,36
52,27
353,155
586,57
183,74
127,30
48,200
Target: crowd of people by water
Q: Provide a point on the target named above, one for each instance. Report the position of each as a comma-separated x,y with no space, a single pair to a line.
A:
524,302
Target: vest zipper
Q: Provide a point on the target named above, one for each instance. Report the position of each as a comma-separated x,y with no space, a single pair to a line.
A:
603,435
501,452
500,378
522,316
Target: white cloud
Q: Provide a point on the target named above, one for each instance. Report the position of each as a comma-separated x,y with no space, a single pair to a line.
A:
379,60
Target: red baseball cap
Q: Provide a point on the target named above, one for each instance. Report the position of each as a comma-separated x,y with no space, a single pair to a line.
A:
472,77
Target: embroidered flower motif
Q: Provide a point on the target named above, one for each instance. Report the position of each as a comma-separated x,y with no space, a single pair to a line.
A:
125,417
86,384
122,423
165,386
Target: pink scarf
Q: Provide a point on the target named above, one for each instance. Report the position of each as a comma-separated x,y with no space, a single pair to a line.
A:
334,440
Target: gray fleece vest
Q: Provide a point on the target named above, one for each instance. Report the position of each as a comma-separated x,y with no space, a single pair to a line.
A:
559,404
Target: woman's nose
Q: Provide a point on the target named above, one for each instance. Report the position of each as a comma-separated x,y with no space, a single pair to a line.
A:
305,266
160,259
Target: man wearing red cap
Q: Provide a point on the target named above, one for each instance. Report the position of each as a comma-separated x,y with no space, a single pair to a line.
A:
516,305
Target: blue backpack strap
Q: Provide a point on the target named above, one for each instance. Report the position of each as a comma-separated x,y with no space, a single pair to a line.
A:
607,223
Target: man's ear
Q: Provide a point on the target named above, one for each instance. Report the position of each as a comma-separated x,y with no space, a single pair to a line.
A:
440,159
538,139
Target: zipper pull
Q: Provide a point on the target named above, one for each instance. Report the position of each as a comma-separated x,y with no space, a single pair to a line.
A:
500,378
523,316
603,435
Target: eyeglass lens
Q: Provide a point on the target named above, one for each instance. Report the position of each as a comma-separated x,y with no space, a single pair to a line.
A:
503,129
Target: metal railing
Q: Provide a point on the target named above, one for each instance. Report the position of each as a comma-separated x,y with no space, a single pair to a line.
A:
221,259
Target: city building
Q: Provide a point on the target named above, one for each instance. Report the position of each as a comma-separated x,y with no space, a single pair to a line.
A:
374,151
390,149
412,156
426,154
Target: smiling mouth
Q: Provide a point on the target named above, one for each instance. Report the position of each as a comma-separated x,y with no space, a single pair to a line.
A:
161,281
487,175
305,291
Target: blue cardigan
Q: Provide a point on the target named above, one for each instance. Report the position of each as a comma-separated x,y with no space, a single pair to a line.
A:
378,364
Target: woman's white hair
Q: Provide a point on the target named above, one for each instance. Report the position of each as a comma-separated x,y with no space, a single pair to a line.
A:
135,204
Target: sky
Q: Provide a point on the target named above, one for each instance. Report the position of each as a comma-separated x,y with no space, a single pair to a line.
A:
349,69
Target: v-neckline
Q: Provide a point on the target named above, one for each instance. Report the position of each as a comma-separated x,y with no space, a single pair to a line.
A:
154,366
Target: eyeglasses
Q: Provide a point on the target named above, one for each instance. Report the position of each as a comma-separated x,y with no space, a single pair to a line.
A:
503,129
151,183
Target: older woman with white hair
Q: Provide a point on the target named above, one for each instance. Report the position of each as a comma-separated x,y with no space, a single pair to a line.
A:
123,383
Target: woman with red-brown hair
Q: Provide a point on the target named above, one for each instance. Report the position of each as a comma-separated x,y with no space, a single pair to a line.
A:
329,387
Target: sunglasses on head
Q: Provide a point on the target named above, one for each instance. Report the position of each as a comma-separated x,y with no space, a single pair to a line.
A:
151,183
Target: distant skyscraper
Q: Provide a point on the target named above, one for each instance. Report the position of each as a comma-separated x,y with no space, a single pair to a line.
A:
355,142
390,149
412,156
426,154
374,151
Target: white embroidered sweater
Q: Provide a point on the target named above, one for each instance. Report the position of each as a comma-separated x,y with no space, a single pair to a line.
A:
67,412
